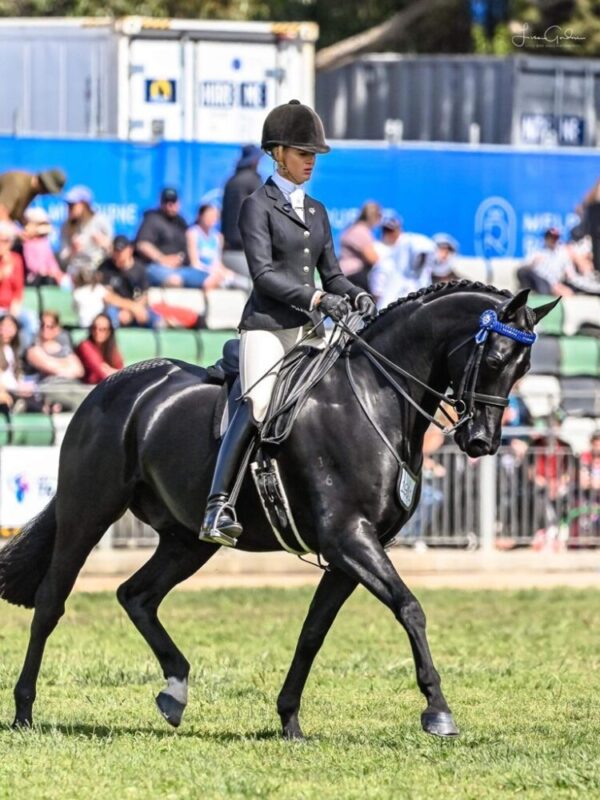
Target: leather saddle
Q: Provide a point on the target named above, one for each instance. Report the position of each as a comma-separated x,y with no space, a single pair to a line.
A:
284,402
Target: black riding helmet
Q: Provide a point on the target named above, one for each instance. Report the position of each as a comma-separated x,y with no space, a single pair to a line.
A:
294,125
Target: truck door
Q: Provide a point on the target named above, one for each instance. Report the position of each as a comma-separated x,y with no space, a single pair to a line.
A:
235,87
155,89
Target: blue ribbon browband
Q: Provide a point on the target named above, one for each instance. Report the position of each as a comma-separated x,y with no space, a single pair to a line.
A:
488,322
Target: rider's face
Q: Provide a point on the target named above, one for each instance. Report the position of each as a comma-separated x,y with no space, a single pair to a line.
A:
297,164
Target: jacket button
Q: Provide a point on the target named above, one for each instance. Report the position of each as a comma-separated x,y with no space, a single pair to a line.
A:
307,284
305,269
306,234
307,251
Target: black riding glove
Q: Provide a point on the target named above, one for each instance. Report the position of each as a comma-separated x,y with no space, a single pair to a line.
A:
334,306
365,305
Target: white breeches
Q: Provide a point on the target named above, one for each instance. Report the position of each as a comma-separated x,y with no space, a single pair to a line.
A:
259,353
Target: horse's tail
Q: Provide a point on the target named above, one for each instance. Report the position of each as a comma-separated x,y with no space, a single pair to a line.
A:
25,559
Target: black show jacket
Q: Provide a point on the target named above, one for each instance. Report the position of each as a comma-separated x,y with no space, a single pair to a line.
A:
283,253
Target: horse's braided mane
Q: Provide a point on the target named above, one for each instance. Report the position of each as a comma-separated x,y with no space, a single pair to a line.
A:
435,290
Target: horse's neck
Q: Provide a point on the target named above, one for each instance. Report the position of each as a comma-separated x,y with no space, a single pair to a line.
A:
410,340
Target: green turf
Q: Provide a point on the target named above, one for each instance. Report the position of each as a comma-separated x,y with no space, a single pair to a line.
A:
521,671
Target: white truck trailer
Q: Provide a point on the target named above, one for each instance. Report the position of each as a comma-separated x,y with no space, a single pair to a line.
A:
144,79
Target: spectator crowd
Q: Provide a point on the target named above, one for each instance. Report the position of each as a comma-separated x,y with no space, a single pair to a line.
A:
109,276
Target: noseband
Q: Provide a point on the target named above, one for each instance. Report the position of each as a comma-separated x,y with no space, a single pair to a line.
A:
464,400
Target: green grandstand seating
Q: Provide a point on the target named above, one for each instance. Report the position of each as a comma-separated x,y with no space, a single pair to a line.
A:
60,300
136,344
212,345
552,324
579,356
4,431
183,344
31,300
27,429
78,335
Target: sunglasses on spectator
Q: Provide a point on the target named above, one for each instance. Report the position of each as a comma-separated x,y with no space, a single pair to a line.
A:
100,327
49,325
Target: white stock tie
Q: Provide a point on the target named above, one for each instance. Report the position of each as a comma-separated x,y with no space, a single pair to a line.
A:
297,201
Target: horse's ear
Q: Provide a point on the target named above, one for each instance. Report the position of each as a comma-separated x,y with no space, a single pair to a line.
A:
541,311
510,308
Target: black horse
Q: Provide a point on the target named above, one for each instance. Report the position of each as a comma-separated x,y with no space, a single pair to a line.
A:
143,440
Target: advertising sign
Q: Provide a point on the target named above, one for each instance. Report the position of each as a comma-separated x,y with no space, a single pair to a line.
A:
28,480
496,201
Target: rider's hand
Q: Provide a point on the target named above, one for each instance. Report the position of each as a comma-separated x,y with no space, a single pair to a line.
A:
334,306
365,305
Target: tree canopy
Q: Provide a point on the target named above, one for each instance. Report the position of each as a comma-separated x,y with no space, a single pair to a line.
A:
445,26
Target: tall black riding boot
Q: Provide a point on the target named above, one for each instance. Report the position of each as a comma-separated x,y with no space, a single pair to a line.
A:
220,525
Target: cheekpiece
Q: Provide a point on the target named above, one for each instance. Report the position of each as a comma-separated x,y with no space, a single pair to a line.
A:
489,322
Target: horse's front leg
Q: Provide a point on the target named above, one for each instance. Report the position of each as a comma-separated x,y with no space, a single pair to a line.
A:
360,555
333,590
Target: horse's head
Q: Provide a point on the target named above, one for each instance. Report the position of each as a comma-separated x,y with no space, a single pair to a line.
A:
484,369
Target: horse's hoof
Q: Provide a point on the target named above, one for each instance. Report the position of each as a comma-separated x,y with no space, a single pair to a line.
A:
293,733
22,723
439,723
171,709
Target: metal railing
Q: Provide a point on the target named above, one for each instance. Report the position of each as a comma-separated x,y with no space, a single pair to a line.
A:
536,495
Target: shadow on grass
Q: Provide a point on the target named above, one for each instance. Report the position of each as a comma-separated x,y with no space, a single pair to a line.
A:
343,739
111,731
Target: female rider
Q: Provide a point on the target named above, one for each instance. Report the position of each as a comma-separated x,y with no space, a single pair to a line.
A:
286,236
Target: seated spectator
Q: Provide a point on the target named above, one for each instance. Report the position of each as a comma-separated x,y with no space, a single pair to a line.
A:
404,263
357,246
18,188
14,390
125,285
442,267
99,353
204,245
551,271
12,277
54,367
579,249
88,295
41,266
86,234
161,242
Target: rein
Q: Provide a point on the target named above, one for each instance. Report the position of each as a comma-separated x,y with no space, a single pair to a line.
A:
488,322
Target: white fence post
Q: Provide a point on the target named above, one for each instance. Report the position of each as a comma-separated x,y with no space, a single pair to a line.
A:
487,502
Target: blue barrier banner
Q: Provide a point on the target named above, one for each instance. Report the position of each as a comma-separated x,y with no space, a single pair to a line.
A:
496,201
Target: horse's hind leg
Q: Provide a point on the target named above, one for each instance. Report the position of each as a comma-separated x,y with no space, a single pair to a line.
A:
332,592
179,554
69,555
361,556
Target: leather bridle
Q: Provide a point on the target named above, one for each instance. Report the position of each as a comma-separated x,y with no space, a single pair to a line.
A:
466,396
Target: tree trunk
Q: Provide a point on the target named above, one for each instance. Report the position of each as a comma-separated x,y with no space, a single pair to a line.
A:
375,39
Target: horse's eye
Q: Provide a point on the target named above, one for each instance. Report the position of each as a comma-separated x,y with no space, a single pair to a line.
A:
494,362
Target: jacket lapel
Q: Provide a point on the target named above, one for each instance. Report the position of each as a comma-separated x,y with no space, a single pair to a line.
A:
281,204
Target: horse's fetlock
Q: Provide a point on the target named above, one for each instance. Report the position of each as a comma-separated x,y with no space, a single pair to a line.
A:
287,706
24,694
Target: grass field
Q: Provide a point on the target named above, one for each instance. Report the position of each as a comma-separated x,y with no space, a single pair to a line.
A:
521,671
